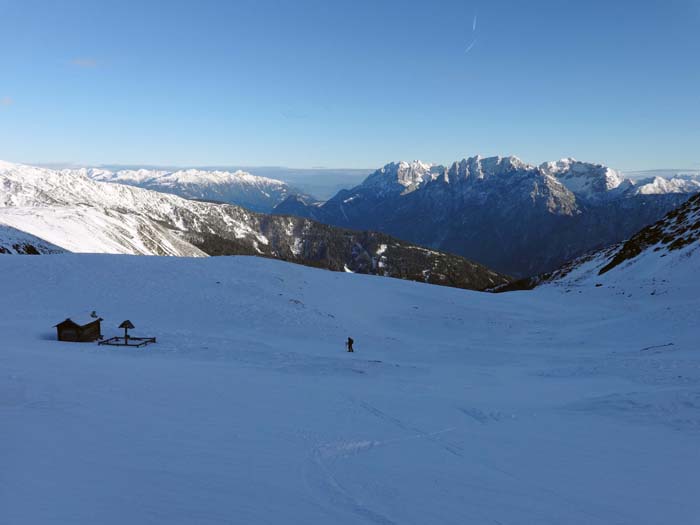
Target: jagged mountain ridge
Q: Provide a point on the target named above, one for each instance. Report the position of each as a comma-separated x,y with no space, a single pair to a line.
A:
238,187
518,218
76,213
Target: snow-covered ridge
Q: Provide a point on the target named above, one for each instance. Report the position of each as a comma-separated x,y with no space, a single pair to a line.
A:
660,185
188,176
585,180
232,187
71,210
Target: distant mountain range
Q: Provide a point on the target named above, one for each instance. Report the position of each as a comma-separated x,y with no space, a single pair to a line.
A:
505,214
255,193
517,218
257,188
44,211
666,173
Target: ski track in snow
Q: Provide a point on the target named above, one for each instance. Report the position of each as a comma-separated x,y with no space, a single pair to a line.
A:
319,478
454,450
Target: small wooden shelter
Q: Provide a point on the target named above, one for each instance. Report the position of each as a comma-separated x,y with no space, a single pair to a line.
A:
80,328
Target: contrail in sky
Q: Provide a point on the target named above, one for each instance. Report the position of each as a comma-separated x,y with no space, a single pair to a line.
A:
473,42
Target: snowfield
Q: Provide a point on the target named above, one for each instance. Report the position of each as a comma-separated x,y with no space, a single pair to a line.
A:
572,403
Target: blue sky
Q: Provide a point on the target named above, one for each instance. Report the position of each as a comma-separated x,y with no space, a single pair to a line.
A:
349,84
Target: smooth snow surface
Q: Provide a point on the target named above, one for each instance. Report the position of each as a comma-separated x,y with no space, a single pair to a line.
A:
569,404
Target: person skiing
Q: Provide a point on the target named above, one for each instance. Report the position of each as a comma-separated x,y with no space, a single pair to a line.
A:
349,343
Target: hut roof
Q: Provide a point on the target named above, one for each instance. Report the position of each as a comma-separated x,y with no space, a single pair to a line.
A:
81,319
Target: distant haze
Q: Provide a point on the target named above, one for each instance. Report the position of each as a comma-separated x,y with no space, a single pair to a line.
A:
661,172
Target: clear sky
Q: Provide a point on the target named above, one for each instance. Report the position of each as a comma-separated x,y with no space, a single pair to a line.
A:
349,83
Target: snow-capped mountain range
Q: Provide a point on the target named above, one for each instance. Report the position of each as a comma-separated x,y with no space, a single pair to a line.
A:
73,212
516,217
232,187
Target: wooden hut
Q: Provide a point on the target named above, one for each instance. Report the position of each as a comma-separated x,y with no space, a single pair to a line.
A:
80,329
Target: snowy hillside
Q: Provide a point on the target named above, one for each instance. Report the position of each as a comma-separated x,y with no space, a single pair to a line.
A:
13,241
78,214
660,257
665,252
515,217
541,407
233,187
74,212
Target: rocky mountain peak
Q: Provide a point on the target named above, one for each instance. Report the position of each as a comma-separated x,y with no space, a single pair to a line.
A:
584,179
479,168
402,177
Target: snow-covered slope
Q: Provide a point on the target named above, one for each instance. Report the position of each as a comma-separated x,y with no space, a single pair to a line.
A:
664,254
541,407
518,218
233,187
85,229
17,242
74,212
70,210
